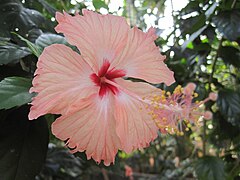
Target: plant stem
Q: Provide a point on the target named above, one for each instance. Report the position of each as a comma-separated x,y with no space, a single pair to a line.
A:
105,174
233,4
204,138
214,64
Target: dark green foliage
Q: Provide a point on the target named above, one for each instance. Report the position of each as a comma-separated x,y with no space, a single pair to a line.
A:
23,145
60,164
45,40
229,105
14,15
51,10
14,91
229,102
224,132
10,53
23,142
230,55
211,168
33,47
194,36
228,23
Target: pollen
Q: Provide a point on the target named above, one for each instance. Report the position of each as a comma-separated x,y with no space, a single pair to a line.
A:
164,119
154,116
156,98
178,90
195,95
176,112
181,133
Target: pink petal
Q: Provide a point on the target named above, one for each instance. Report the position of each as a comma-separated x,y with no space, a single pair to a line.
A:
61,81
134,126
142,59
90,129
98,37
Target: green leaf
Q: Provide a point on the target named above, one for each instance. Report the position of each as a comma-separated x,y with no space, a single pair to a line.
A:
229,102
209,167
23,145
230,55
14,92
202,47
192,24
193,36
210,33
47,39
99,3
10,52
192,6
228,23
223,131
48,7
229,105
13,15
33,47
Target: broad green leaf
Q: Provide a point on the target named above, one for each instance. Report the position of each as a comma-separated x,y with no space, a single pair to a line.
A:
14,92
192,24
230,55
23,145
196,25
14,15
209,167
210,33
228,23
229,102
192,6
10,52
33,34
33,47
229,105
47,39
48,7
99,3
223,132
193,36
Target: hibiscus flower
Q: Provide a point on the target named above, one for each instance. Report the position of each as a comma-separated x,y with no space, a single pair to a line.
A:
101,112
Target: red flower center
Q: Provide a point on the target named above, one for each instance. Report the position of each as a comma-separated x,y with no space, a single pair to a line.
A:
109,74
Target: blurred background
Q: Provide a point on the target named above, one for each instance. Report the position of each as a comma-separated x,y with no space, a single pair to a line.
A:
200,39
